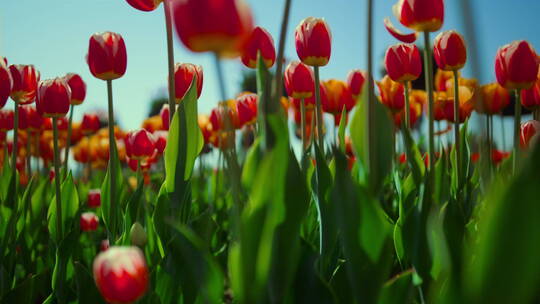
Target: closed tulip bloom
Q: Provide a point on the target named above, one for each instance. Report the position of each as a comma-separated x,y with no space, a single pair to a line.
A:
89,221
6,120
313,41
259,42
530,98
420,15
23,117
205,125
144,5
450,51
392,94
54,96
94,198
466,104
183,76
6,82
356,80
140,144
107,57
219,26
299,81
90,124
442,78
415,111
246,106
217,116
403,63
338,97
310,102
164,113
493,99
77,86
530,131
25,83
35,120
161,140
516,65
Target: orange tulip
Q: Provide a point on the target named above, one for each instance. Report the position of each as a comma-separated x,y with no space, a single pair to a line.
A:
403,62
441,79
493,99
338,97
107,57
449,51
259,42
420,15
54,96
516,65
25,83
313,41
392,94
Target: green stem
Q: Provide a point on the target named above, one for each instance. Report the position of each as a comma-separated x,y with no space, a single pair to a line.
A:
112,167
503,133
303,122
370,143
68,140
15,142
517,126
278,82
407,107
489,130
456,129
28,148
170,57
428,63
57,180
318,108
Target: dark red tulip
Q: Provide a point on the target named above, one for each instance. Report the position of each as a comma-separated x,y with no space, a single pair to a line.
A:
164,113
259,42
356,81
144,5
299,81
516,65
450,51
90,124
6,120
89,221
530,98
121,274
6,82
94,198
54,96
530,131
313,41
219,26
420,15
107,57
25,83
140,144
246,106
403,62
183,76
77,86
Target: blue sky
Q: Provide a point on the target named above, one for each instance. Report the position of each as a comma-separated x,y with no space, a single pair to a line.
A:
53,35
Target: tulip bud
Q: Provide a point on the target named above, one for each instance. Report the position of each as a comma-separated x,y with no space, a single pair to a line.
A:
54,96
338,97
144,5
530,98
246,106
121,274
6,120
392,94
449,51
107,58
313,41
25,83
493,99
299,81
420,15
161,140
140,144
23,117
183,76
164,113
219,26
6,82
94,198
259,42
138,235
90,124
516,65
104,245
89,221
530,131
356,81
403,63
77,86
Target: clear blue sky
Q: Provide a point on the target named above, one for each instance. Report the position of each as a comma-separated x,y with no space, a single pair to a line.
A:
53,35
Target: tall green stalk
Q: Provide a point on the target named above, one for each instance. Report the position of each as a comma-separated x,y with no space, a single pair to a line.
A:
15,145
68,140
456,129
57,179
407,106
112,167
28,156
170,57
428,64
318,108
517,126
303,126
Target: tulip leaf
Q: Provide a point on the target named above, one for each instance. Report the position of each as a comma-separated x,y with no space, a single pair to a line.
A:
398,290
106,205
87,292
70,207
342,128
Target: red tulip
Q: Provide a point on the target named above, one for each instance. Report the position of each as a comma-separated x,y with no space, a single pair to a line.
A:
310,102
140,144
107,58
161,140
144,5
259,42
406,38
104,245
420,15
516,65
183,76
356,81
6,120
530,131
164,113
403,63
90,124
450,51
493,99
25,83
54,96
246,106
78,88
94,198
530,98
6,82
23,117
299,81
89,221
313,41
498,156
219,26
121,274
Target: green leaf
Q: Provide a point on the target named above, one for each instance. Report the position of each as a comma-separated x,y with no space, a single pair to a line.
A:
414,157
341,130
106,205
70,207
26,291
398,290
87,292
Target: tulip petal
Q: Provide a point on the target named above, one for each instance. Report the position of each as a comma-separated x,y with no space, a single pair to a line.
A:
406,38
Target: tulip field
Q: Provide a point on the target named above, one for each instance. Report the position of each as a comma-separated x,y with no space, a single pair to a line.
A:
399,200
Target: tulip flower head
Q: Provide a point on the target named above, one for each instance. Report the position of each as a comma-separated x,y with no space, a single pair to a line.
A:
140,144
338,97
121,274
450,51
6,120
25,83
392,94
530,98
77,86
219,26
107,57
403,62
259,42
164,113
94,198
54,96
90,124
161,140
493,99
183,76
89,221
6,82
356,80
530,132
516,65
299,81
144,5
313,41
246,107
420,15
